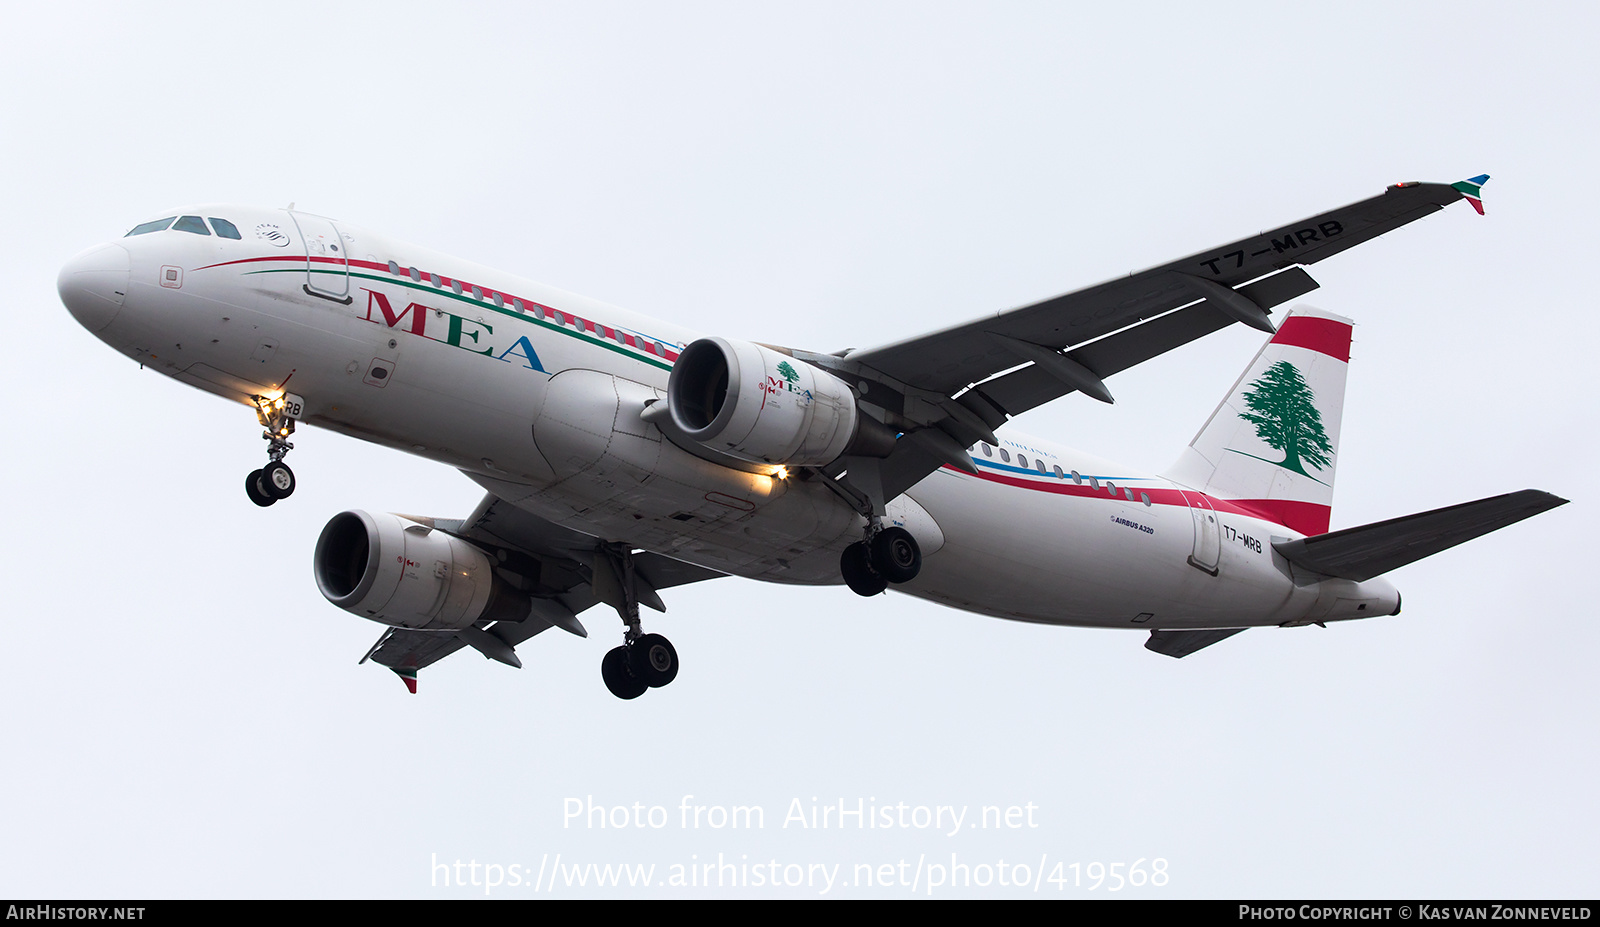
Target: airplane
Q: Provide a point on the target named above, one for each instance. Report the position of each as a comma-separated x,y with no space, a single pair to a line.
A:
622,455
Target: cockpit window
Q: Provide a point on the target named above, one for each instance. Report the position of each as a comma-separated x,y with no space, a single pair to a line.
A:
191,224
157,226
225,229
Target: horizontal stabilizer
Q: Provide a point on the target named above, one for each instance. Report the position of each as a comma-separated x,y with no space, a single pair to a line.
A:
1183,643
1372,550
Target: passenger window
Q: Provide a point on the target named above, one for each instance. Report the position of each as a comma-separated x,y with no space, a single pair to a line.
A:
1111,487
1145,498
1005,455
987,450
1094,482
1128,493
1022,461
192,224
416,275
225,229
1059,474
477,293
1038,465
160,225
434,279
455,285
499,300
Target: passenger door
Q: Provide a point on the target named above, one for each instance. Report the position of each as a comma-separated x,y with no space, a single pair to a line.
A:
327,262
1207,553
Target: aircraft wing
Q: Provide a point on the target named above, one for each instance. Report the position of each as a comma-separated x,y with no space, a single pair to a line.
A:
968,379
557,566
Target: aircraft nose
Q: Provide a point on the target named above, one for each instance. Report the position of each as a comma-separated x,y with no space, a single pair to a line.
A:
94,284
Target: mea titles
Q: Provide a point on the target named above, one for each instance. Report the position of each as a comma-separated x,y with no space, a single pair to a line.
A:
860,814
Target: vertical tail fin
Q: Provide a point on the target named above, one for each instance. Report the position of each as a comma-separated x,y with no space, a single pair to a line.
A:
1273,443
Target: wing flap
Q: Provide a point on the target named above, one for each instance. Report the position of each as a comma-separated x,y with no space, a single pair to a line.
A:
403,649
1179,644
1024,389
1371,550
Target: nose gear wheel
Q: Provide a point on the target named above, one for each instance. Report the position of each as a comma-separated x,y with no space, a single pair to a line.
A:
254,489
277,479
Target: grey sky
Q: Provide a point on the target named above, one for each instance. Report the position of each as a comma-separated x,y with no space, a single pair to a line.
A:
183,711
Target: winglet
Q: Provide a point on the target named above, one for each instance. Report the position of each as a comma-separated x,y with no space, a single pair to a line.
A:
1471,188
407,676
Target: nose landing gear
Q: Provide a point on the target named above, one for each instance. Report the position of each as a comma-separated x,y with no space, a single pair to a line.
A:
274,481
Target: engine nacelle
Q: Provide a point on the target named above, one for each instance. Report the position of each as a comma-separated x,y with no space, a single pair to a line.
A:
757,404
406,575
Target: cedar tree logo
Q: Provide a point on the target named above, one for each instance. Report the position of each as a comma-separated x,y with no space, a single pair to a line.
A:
1283,410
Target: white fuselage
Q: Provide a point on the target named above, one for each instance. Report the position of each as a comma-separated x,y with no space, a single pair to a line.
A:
536,395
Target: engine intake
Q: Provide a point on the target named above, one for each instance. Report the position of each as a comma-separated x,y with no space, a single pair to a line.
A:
758,404
407,575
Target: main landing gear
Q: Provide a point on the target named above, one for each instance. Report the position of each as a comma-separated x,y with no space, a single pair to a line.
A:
644,661
274,481
888,555
648,661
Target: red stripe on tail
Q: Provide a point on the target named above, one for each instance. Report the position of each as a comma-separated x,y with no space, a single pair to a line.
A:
1325,336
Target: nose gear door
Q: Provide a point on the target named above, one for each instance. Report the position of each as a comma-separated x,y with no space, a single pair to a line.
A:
327,260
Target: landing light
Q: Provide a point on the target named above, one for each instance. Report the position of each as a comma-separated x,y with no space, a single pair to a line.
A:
782,473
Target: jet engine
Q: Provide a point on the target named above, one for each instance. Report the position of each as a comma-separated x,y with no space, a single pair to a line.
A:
407,575
757,404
